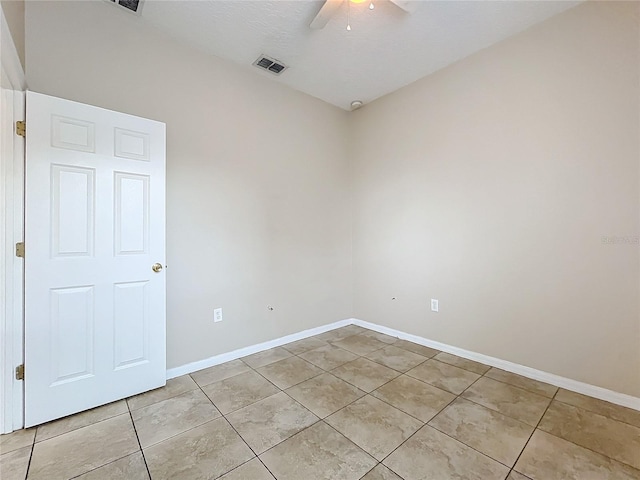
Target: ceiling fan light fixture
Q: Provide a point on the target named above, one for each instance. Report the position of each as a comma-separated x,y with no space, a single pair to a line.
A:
330,8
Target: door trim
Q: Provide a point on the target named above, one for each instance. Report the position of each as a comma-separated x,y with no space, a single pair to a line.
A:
12,152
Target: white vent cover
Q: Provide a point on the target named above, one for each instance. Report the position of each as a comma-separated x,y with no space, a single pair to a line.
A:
133,6
270,64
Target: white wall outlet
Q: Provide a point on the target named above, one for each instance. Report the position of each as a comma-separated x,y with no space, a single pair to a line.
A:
434,305
217,315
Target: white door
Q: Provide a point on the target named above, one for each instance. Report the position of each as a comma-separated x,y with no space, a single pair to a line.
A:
95,227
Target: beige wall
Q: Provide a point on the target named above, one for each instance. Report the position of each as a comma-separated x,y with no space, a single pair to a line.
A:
489,186
257,176
14,13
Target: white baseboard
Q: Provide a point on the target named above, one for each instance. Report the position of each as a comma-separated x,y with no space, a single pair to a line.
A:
243,352
563,382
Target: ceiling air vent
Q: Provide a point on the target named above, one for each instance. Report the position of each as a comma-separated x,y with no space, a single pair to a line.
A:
133,6
271,64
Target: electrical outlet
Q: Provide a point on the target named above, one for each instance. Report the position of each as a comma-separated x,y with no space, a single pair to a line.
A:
217,315
434,305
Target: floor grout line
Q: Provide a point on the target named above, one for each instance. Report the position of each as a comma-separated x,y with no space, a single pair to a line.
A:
236,431
427,424
33,447
351,403
522,388
83,426
407,413
423,426
456,396
324,418
243,439
108,463
370,393
366,393
162,400
135,430
467,445
320,419
589,449
531,436
597,413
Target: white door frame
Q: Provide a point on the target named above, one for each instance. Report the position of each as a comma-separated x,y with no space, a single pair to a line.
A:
12,152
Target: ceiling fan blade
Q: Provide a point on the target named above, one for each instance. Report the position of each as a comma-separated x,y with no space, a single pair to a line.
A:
325,14
408,6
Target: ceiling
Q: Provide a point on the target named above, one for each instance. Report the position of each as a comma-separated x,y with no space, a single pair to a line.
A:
385,50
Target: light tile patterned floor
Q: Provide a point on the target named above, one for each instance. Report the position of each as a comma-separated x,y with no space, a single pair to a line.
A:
349,404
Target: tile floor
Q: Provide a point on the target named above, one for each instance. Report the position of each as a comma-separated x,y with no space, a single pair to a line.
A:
348,404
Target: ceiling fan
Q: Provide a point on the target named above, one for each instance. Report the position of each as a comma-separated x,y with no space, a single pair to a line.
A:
330,7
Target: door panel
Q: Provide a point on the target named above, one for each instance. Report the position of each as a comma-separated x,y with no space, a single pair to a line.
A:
72,327
73,134
72,210
132,213
131,324
95,206
133,145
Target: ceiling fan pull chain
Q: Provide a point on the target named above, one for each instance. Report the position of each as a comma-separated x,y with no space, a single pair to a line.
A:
348,16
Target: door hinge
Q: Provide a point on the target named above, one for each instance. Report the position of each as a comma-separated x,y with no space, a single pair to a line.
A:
20,372
21,128
20,249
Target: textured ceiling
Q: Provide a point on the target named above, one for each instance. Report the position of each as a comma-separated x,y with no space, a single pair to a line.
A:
385,50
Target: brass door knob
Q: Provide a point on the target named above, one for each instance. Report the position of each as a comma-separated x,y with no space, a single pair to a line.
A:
157,267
